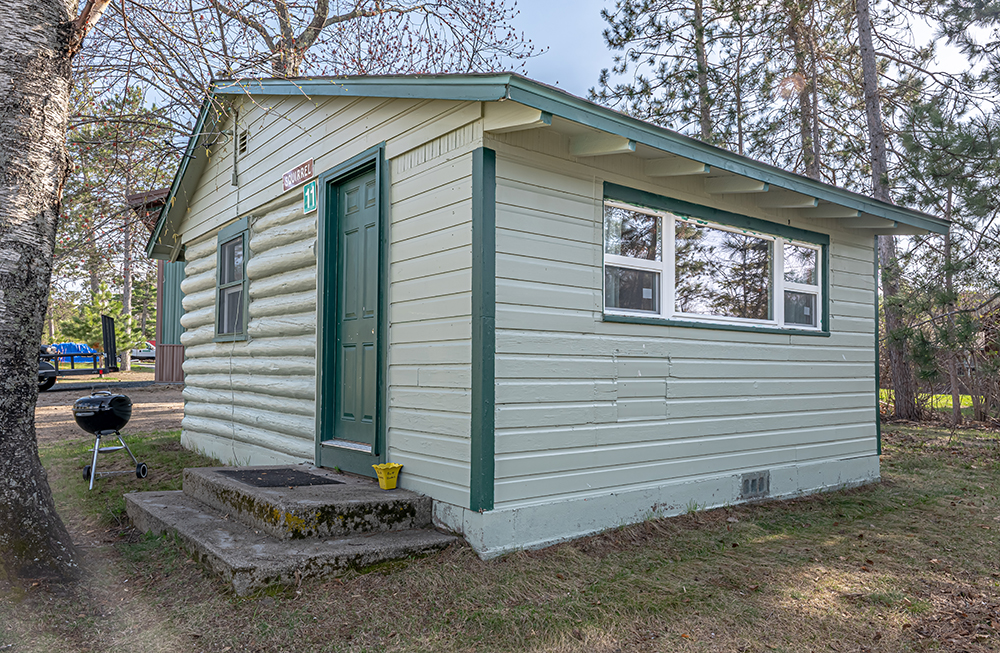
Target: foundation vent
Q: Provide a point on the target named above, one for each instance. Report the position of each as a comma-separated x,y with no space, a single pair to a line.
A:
756,485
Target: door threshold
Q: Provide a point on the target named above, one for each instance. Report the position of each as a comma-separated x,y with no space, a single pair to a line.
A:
347,444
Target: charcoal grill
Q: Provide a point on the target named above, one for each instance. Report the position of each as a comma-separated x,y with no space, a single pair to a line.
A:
104,414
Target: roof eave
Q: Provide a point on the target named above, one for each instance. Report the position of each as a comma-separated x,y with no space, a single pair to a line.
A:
155,249
503,86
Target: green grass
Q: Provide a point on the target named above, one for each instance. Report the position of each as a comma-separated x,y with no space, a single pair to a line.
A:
908,564
943,402
161,452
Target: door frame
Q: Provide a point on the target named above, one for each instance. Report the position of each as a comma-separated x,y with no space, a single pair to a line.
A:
327,258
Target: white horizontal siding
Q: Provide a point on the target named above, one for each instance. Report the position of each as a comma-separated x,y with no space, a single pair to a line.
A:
287,131
585,406
430,315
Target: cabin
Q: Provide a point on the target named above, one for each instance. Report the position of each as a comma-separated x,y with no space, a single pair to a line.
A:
558,318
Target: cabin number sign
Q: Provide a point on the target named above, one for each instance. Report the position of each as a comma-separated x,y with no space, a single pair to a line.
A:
309,197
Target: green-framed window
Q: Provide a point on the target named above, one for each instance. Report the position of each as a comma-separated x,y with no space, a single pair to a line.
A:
684,264
231,282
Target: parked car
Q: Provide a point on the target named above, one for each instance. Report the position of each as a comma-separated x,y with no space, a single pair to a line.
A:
146,354
46,370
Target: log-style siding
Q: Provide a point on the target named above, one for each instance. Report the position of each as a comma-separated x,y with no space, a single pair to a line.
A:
253,402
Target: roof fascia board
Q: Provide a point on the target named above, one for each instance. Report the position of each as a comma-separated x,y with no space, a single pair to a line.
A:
585,113
472,89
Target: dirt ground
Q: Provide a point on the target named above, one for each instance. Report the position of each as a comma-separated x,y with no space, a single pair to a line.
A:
154,408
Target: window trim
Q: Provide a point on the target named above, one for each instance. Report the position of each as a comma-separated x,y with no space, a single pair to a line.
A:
773,231
237,229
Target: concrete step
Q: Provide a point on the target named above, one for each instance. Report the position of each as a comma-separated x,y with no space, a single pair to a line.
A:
355,505
251,559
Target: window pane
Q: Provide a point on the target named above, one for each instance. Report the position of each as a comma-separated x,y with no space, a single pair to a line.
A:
800,308
632,234
722,272
231,261
800,264
631,290
231,310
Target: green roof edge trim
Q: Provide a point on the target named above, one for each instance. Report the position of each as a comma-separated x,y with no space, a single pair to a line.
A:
490,87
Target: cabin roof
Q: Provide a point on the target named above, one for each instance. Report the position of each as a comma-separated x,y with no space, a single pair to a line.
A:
593,125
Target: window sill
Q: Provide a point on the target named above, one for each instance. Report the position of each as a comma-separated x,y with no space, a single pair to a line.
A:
232,337
718,326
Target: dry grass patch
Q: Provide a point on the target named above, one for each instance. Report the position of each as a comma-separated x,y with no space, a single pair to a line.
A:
910,564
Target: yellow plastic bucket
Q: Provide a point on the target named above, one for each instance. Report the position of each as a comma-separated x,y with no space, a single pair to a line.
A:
387,475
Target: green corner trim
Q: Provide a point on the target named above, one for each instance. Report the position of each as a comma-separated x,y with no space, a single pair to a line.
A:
483,449
878,367
687,209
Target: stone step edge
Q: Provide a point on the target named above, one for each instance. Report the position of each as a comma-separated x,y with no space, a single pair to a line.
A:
251,560
366,510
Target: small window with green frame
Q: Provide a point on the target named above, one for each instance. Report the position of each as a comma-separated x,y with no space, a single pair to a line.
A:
231,283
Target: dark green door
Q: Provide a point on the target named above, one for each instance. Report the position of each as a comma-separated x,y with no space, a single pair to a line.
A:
349,430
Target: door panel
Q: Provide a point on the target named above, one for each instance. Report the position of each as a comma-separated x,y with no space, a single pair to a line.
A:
352,241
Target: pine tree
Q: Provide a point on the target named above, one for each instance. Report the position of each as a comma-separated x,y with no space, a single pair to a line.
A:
85,326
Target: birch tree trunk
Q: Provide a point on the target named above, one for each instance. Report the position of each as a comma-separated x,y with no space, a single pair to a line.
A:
40,37
34,100
904,384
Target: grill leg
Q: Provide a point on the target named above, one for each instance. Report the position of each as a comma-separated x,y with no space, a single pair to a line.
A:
93,465
122,440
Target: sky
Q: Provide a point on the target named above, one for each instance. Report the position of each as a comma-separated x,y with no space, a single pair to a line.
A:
571,29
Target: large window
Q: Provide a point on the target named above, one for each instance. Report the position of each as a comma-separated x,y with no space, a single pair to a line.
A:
662,264
231,282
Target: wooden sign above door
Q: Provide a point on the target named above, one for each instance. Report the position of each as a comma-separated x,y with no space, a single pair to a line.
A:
297,175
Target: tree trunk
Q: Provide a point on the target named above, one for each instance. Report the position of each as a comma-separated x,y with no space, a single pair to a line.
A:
949,287
34,101
704,99
904,385
126,353
801,39
93,263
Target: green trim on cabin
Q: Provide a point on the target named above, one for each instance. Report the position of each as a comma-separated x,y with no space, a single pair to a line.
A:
171,304
508,86
826,285
878,361
484,219
233,230
356,462
718,326
690,210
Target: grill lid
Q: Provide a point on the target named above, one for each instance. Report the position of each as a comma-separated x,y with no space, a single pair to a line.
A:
102,412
